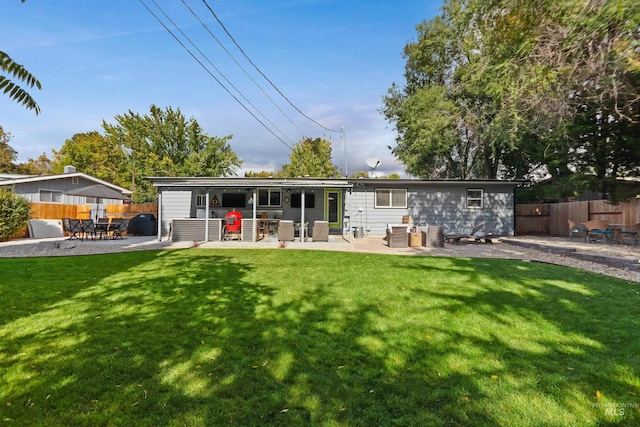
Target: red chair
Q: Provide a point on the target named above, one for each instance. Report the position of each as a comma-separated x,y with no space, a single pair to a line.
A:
232,225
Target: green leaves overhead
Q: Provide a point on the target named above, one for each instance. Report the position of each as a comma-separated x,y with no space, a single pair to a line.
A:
9,67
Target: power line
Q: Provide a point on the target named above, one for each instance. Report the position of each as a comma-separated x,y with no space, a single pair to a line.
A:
242,68
220,72
211,74
261,73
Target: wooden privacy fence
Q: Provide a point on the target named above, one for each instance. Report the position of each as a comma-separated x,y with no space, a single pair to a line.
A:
551,218
59,211
131,210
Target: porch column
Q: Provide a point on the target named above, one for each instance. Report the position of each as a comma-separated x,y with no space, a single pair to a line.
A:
255,214
206,217
302,207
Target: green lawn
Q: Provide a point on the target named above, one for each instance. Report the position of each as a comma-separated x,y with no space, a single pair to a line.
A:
283,337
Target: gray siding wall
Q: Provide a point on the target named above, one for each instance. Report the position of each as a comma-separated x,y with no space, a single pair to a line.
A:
175,205
436,205
31,190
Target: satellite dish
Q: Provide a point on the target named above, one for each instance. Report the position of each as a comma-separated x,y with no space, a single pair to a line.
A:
372,162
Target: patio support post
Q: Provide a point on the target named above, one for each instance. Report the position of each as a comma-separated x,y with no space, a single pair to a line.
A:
206,217
255,214
350,214
302,208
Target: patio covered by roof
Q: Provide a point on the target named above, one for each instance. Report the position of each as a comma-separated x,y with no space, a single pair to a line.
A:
200,204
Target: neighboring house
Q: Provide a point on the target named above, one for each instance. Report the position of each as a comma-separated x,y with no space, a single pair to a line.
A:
54,189
456,205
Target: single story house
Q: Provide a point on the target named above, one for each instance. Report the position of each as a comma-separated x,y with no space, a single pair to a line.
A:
193,209
70,187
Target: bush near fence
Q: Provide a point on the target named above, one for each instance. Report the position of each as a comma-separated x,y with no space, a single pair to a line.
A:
551,218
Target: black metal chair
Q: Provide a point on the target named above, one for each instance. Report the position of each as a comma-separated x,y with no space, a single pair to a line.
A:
75,229
117,227
103,227
89,228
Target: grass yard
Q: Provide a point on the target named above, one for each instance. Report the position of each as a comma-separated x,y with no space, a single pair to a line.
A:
294,338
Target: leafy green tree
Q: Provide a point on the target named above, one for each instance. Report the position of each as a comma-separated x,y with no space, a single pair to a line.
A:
359,174
92,154
38,166
15,211
165,143
263,174
7,154
311,157
512,88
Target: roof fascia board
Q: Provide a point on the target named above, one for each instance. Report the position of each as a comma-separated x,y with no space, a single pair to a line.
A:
41,178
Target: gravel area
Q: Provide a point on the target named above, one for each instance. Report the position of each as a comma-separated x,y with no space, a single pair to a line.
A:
613,260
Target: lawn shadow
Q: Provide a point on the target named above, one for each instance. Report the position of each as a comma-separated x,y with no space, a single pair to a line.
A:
212,337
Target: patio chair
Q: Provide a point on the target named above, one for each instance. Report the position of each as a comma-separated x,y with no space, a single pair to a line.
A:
577,228
321,231
398,237
66,228
456,237
89,228
116,227
102,227
286,231
630,232
598,231
75,229
485,233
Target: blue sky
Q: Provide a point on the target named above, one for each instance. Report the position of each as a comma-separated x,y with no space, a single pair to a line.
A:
333,59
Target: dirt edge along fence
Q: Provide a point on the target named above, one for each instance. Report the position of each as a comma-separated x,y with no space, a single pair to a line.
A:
551,218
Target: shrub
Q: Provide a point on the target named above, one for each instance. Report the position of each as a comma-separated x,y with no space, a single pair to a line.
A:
15,211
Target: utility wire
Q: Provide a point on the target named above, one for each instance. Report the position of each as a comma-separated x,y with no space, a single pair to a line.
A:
220,72
241,67
261,73
211,74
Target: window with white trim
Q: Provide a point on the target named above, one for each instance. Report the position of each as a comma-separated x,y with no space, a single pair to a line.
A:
201,200
391,198
475,197
49,196
270,197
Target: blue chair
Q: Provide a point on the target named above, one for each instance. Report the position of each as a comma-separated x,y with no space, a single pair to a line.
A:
577,228
598,231
629,233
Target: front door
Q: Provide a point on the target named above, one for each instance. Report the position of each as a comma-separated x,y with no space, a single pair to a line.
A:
332,204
